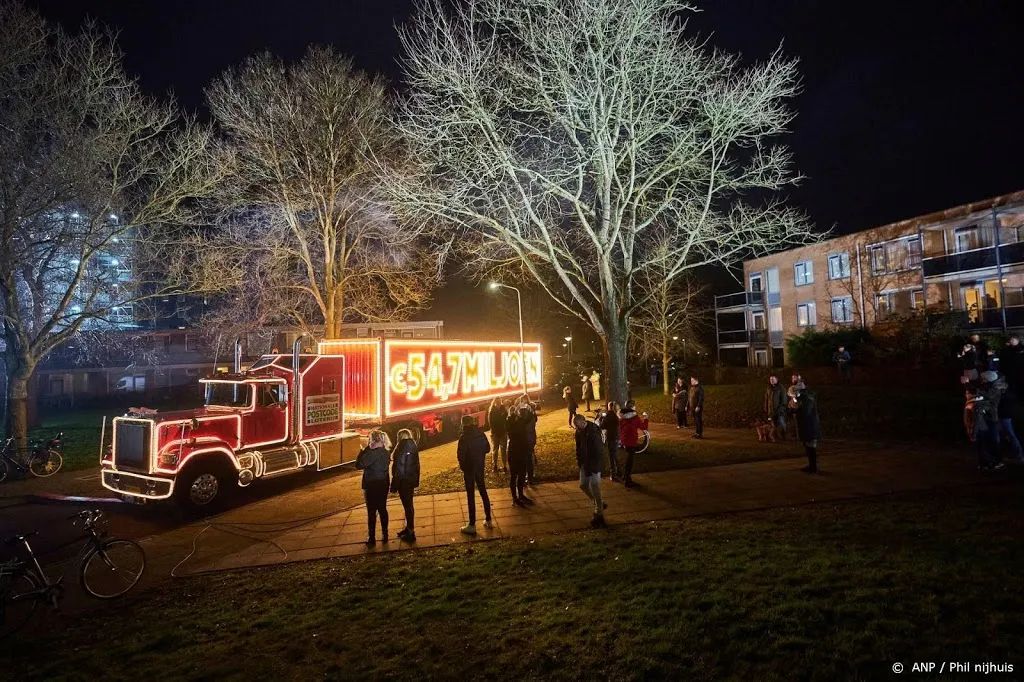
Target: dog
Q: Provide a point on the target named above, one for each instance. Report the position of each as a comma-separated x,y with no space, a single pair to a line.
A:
765,430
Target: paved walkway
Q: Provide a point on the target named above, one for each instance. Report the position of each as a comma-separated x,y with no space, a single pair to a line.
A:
563,507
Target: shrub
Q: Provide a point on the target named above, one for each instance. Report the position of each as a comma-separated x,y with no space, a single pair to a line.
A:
814,348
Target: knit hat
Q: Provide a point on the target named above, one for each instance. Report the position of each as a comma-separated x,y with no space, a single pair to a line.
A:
989,377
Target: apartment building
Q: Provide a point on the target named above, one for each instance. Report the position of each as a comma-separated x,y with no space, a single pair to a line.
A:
967,260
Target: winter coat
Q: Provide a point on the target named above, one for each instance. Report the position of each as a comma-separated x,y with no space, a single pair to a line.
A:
405,468
530,424
571,403
472,450
987,408
374,463
679,398
518,443
1008,403
774,401
630,426
610,424
969,359
588,390
1011,363
808,427
697,397
496,417
589,448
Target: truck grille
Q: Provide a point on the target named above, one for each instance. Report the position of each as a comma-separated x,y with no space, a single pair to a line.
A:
133,446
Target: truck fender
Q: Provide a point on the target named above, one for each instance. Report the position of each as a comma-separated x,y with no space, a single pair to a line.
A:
222,450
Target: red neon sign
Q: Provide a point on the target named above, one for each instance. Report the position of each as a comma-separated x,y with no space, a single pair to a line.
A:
420,375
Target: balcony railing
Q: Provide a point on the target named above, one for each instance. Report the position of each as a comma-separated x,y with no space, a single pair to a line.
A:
976,259
992,318
739,299
743,336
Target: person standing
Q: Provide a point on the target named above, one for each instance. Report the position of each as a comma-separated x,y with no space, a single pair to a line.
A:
530,423
775,407
630,426
842,360
496,417
570,403
808,427
472,454
588,459
1007,413
595,384
654,376
969,362
610,424
1011,363
405,478
374,460
518,455
587,391
680,397
696,406
986,423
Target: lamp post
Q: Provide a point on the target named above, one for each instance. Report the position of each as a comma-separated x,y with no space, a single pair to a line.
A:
494,286
569,339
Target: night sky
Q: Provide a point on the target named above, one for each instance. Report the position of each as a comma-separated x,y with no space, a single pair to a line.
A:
907,108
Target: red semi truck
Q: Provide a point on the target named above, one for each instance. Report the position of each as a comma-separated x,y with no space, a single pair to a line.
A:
271,419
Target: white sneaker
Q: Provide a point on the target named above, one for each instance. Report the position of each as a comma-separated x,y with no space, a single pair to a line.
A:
488,525
468,529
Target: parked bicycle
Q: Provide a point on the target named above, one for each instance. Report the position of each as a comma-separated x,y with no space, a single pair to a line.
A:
43,460
108,568
644,440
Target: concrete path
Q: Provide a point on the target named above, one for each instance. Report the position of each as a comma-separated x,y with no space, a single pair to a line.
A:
563,507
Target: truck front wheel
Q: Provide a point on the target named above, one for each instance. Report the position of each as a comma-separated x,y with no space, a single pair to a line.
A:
201,488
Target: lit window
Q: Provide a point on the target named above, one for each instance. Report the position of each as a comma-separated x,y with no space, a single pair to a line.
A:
917,299
842,310
877,259
806,316
839,265
803,273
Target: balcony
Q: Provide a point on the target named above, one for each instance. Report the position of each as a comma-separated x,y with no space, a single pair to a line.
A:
740,299
743,337
992,318
976,259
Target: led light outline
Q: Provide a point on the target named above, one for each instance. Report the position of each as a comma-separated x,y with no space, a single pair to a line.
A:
378,370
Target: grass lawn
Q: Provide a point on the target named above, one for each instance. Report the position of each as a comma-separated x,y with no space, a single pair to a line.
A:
890,413
81,429
828,592
556,459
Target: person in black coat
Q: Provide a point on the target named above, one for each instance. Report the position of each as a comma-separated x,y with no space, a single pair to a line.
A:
405,478
472,452
696,406
588,459
1011,363
808,427
775,406
530,423
680,398
570,403
496,418
374,460
610,424
518,454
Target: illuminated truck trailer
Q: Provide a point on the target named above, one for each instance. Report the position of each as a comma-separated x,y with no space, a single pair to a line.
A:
301,411
428,385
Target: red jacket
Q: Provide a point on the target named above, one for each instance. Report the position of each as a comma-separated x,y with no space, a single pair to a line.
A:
630,427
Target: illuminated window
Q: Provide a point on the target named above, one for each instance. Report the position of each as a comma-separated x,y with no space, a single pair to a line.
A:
842,310
806,315
839,265
803,273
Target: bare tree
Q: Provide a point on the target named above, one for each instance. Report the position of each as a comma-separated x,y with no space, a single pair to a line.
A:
672,310
90,172
302,237
558,134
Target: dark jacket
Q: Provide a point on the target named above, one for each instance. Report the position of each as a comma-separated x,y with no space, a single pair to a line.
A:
1011,363
610,424
374,463
589,448
571,403
697,397
406,464
969,359
473,448
774,401
530,424
518,443
680,396
988,407
808,427
990,363
496,417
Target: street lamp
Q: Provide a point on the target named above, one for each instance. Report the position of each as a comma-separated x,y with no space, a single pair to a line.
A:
494,286
569,339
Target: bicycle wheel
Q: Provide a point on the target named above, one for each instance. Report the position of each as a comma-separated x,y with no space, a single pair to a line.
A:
112,569
45,464
643,442
5,468
17,601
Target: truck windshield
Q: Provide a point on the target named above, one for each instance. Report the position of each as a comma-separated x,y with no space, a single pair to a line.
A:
228,395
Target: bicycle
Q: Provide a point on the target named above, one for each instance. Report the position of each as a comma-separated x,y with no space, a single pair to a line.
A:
44,460
108,569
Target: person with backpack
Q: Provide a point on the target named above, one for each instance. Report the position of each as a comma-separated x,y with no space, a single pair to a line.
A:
630,426
374,460
405,478
472,453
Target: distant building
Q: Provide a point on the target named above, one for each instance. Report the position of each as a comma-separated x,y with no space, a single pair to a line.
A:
968,259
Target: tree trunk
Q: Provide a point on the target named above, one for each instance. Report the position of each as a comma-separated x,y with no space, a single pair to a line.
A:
615,355
17,411
664,364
